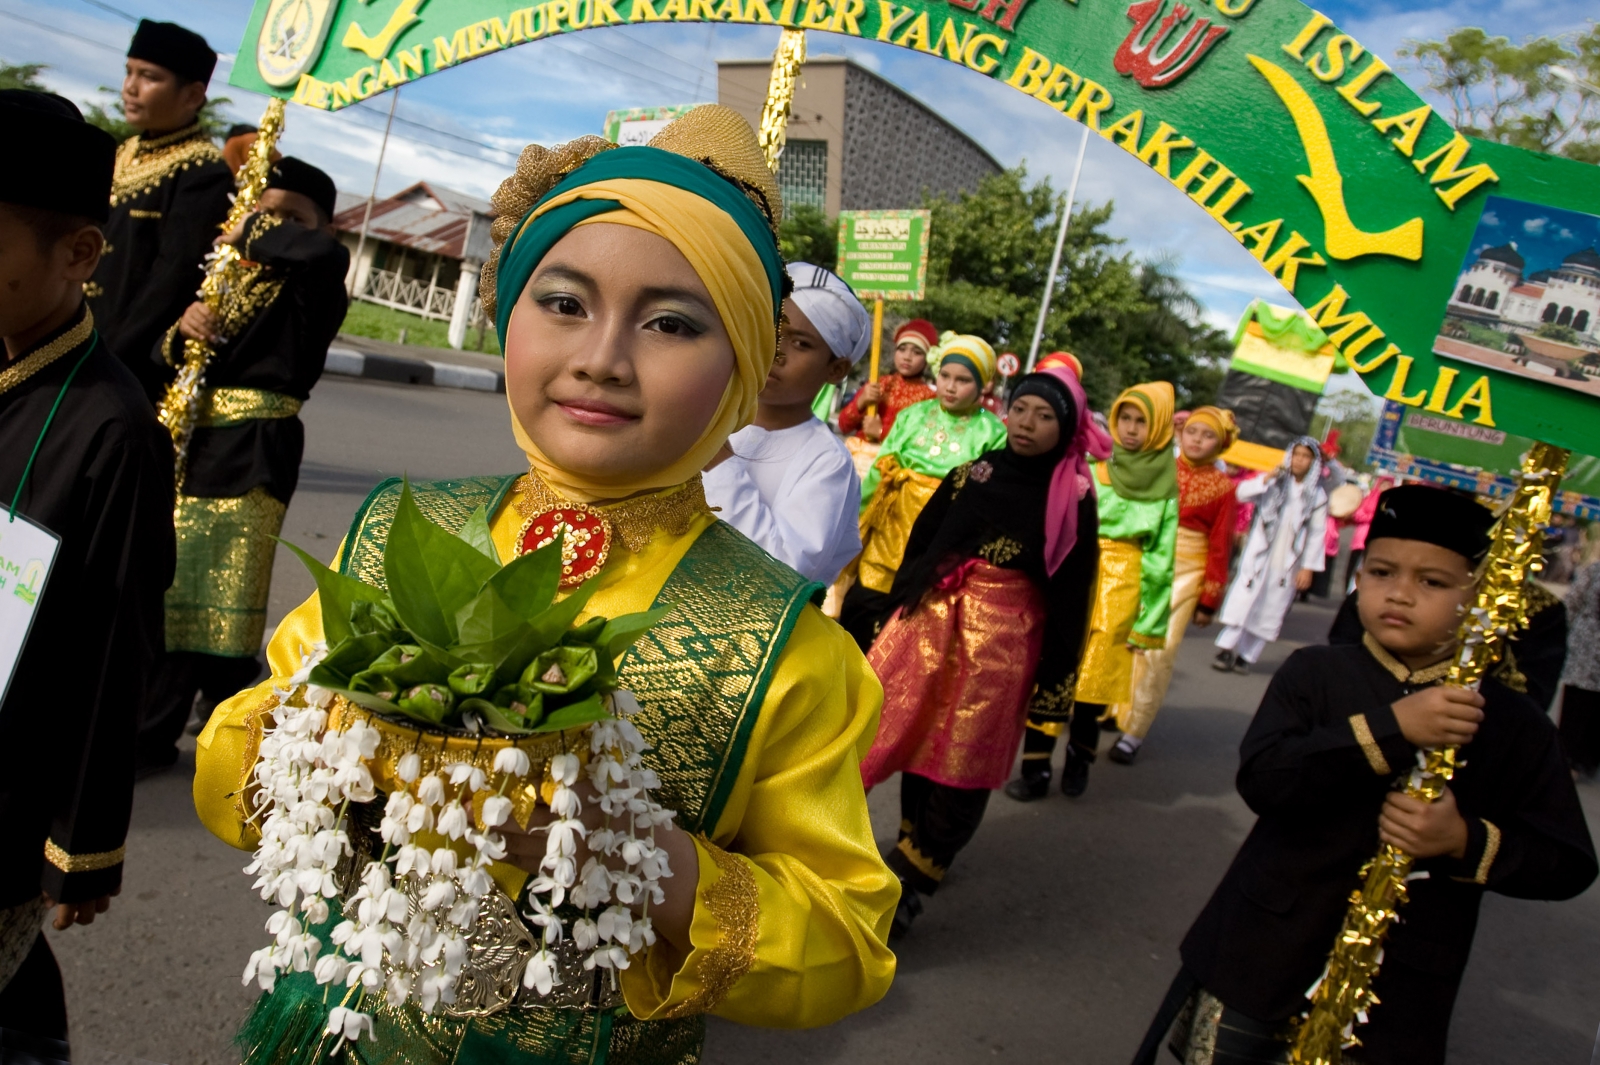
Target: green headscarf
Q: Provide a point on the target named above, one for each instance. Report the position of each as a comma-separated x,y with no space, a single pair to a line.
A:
1150,474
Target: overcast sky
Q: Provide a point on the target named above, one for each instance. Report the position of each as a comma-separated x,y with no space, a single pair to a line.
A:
560,88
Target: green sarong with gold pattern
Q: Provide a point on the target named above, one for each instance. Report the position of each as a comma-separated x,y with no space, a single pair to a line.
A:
700,676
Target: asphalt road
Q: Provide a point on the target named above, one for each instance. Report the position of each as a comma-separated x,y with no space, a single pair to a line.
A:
1052,940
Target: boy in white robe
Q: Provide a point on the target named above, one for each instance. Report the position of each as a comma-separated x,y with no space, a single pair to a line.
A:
786,481
1282,553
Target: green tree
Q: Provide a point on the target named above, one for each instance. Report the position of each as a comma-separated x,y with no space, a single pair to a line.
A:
22,76
988,260
806,235
1551,331
110,117
1541,94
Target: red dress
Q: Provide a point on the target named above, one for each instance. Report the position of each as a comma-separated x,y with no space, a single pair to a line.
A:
1207,505
898,394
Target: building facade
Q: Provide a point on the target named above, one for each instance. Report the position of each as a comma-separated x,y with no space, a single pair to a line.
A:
1495,291
855,141
422,253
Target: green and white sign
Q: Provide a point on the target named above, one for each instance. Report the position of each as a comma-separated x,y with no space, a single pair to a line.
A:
1306,148
636,125
883,255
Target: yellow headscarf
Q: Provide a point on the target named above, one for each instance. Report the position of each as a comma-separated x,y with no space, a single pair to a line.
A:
716,246
970,351
1218,421
1150,473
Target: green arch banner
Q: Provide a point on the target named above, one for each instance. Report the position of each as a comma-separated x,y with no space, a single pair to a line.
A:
1360,200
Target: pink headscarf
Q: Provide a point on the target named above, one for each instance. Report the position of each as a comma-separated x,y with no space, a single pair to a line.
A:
1071,481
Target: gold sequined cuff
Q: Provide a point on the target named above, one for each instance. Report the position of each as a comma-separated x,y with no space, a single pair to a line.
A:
82,863
734,901
1491,847
1149,643
1369,746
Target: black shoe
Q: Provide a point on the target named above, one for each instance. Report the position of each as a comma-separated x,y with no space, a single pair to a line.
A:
1123,752
1109,724
1223,663
1029,786
1074,774
908,909
1241,667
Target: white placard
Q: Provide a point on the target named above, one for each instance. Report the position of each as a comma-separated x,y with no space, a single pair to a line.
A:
27,551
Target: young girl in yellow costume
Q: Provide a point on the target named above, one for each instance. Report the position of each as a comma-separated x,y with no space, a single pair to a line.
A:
929,439
1138,505
636,293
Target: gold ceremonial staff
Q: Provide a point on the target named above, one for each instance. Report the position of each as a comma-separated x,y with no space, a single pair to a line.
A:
1344,994
180,406
786,64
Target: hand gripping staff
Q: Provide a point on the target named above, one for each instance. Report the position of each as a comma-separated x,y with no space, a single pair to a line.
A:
224,278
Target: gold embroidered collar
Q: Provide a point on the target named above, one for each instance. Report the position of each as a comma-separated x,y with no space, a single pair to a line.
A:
43,356
1397,668
144,164
634,521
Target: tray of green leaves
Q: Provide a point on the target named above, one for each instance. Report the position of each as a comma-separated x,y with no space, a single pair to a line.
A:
460,643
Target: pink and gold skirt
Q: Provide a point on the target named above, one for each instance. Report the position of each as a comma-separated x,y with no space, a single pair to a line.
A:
956,677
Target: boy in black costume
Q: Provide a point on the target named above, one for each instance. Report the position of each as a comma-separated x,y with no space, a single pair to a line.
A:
1338,728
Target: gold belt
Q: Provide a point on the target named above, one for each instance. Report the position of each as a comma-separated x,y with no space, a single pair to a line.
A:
220,408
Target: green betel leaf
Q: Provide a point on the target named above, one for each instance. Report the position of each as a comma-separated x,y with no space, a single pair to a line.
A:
476,533
561,670
336,594
410,664
619,634
431,573
528,584
368,617
473,678
584,712
488,619
500,720
353,654
431,702
554,623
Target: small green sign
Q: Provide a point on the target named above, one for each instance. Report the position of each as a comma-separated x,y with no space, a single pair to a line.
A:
636,125
883,255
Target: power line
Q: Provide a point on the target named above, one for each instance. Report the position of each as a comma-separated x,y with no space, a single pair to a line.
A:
60,32
117,11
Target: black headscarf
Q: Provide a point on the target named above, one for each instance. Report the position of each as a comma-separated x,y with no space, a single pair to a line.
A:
1001,494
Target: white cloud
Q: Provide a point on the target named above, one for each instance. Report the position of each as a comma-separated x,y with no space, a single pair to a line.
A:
1535,227
1489,219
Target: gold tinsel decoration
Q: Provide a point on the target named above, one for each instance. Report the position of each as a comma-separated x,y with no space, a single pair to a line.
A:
786,64
225,273
1343,996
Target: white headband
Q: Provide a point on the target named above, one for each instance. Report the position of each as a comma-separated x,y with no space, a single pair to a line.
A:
827,301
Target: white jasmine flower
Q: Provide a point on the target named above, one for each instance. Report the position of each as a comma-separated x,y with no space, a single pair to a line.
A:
614,923
399,988
419,818
411,858
262,968
585,934
441,892
496,809
564,836
544,917
476,882
453,820
331,969
564,769
430,790
565,802
512,761
349,1024
444,861
468,774
409,767
541,974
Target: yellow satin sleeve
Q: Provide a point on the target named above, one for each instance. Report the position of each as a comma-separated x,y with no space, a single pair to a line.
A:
793,902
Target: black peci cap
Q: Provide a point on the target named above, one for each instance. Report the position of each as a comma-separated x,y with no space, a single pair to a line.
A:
1436,516
58,161
167,44
297,175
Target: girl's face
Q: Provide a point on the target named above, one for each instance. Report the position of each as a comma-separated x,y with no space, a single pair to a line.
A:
1032,427
958,389
1199,443
909,360
1133,428
616,357
1300,461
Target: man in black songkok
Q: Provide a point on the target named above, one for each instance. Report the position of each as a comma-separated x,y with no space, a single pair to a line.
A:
82,456
168,197
1323,764
243,460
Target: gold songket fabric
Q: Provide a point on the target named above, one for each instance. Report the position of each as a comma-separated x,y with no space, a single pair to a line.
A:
221,408
956,675
887,521
1106,672
218,600
1152,671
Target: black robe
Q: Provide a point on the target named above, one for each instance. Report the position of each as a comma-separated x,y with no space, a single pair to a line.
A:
103,483
1002,520
281,349
168,202
1264,937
